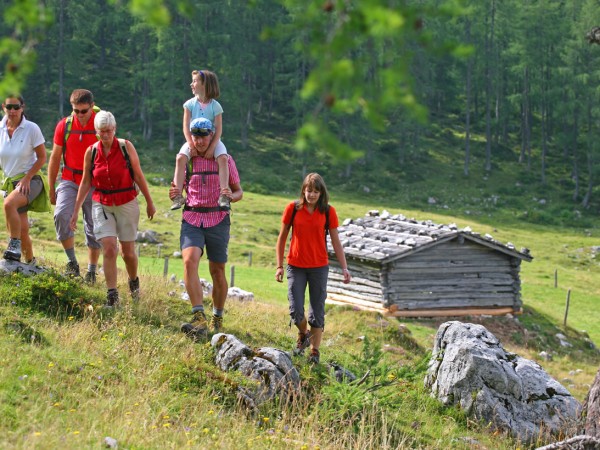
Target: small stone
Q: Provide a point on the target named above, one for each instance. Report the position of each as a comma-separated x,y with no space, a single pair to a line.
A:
110,442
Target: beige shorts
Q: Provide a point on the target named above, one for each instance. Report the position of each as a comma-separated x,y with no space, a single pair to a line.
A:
116,221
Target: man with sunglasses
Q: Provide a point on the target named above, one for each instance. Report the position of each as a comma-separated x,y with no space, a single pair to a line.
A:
72,136
205,224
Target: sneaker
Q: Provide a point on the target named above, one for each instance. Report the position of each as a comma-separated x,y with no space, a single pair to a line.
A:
112,299
90,277
31,262
198,327
302,343
314,356
72,269
134,288
13,252
216,323
224,202
178,202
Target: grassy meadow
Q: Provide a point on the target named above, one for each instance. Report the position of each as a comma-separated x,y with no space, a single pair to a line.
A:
72,373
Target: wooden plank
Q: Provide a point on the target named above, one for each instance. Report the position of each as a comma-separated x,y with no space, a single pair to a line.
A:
356,288
448,270
417,296
354,300
454,312
412,304
506,280
413,264
381,310
355,279
451,289
362,297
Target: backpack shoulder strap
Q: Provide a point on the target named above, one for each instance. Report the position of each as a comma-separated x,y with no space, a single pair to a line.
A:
327,220
123,147
68,127
66,134
295,210
94,153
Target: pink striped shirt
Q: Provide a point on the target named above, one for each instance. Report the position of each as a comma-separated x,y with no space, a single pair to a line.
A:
203,190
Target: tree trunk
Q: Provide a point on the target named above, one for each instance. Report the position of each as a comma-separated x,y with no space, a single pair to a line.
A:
61,58
468,104
489,43
575,174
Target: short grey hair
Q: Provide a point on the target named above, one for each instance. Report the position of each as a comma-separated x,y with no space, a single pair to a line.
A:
104,119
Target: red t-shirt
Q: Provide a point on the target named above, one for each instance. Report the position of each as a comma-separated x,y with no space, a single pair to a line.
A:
79,140
308,248
111,173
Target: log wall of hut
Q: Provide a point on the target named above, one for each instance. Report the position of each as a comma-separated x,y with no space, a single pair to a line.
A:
366,288
455,274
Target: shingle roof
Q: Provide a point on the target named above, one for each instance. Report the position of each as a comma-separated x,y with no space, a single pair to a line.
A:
385,237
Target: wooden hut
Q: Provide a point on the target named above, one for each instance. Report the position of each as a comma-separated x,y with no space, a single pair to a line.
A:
405,267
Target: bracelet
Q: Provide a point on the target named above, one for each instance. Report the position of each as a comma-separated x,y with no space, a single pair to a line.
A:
345,270
279,267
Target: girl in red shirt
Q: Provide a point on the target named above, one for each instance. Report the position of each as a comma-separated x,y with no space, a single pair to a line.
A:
308,261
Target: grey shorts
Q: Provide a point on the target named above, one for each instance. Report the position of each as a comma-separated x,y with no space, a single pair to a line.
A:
36,186
215,239
316,279
116,221
66,194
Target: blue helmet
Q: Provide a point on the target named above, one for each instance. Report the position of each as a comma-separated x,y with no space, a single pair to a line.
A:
201,127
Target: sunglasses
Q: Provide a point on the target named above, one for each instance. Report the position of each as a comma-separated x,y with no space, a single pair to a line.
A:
201,131
81,111
10,106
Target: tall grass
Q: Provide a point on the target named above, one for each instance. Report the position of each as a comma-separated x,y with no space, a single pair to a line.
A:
72,373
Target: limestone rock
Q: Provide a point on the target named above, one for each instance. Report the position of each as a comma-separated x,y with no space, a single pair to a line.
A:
271,368
470,368
591,409
148,236
19,267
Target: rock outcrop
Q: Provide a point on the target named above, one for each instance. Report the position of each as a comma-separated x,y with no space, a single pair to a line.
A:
470,368
19,267
271,368
591,409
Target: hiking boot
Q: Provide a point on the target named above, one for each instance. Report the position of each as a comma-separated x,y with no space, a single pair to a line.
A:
31,262
198,328
216,323
178,202
314,356
13,252
134,288
112,299
72,269
302,343
90,277
224,202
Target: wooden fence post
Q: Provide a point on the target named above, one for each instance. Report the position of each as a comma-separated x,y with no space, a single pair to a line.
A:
250,259
166,267
232,277
158,249
555,277
567,308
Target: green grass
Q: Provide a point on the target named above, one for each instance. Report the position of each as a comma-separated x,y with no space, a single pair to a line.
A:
87,374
